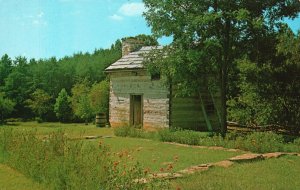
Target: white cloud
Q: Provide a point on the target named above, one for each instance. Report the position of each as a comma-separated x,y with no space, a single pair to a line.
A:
116,17
132,9
36,20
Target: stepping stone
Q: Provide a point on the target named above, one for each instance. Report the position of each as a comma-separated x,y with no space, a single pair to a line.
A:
223,164
177,175
193,169
167,163
247,157
91,137
233,150
186,171
216,148
178,144
105,137
166,175
292,154
141,181
158,176
273,155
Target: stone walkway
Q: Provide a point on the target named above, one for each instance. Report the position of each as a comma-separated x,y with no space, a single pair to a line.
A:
207,147
244,158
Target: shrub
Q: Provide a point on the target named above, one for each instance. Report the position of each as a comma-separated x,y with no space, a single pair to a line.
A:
181,136
263,142
129,131
99,96
297,141
259,142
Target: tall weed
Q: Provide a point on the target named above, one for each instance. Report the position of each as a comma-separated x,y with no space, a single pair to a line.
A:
63,164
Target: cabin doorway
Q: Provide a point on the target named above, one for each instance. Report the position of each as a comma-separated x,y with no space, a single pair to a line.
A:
136,110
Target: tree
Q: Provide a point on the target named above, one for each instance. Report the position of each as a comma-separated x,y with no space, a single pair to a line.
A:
84,110
81,103
269,92
287,78
99,96
18,86
40,103
213,34
62,107
6,108
5,68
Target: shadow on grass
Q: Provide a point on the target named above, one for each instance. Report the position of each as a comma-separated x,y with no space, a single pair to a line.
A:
9,124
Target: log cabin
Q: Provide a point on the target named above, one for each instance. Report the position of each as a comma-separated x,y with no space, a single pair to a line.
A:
140,99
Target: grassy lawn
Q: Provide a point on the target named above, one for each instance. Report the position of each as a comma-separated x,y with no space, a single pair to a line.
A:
73,130
10,179
156,155
150,154
282,173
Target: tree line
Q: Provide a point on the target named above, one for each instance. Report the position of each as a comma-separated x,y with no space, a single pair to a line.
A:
73,88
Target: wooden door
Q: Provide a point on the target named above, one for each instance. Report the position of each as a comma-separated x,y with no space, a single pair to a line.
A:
136,110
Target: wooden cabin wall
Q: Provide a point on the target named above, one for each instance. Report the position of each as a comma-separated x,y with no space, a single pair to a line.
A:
186,112
155,99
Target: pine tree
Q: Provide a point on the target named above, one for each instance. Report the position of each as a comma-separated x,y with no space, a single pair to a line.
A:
62,107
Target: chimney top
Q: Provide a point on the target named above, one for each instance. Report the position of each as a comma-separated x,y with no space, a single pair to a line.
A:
130,45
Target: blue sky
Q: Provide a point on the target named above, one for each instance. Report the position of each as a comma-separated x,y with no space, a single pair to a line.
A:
46,28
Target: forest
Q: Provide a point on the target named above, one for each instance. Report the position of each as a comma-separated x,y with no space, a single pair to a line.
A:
52,89
71,89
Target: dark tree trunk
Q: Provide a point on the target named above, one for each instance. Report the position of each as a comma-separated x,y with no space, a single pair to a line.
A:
223,76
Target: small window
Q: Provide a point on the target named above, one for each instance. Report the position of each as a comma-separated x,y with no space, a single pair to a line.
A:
155,76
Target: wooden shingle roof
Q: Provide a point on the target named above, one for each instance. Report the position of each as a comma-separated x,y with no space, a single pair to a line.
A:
133,60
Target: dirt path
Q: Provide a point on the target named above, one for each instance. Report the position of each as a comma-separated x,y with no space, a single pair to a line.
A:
11,179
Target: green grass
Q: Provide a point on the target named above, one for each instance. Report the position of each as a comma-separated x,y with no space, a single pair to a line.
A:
72,130
156,155
151,154
282,173
11,179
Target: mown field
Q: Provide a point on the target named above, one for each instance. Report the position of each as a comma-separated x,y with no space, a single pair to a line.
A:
155,156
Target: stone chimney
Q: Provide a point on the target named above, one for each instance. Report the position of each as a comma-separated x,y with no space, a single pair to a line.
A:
130,45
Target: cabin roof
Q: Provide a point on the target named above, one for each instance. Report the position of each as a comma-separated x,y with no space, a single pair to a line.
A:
133,60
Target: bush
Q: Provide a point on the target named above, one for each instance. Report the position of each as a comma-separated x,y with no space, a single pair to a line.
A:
129,131
181,136
297,142
259,142
263,142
